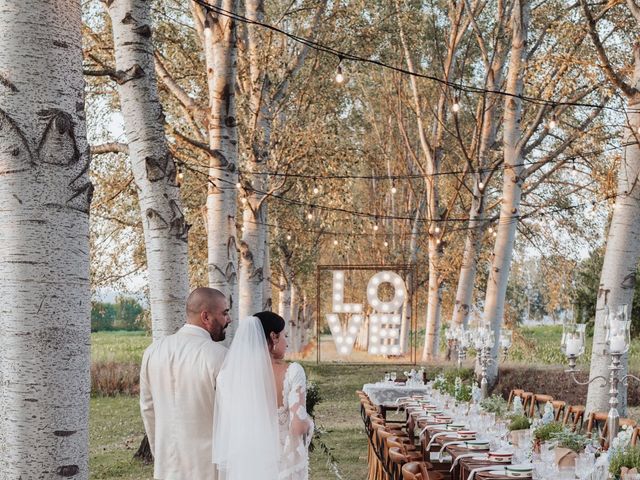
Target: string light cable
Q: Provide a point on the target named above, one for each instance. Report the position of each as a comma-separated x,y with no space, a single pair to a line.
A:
342,55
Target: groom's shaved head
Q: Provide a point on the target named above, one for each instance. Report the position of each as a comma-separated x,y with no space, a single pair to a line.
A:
208,308
203,299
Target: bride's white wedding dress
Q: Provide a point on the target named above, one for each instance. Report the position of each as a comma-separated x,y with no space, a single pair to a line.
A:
253,439
294,448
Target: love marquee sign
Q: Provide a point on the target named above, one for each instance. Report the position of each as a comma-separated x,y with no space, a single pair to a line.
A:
379,319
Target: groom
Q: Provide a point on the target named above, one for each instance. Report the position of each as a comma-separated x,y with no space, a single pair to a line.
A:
177,389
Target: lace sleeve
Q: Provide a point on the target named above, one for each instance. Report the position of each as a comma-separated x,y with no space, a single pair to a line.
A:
299,421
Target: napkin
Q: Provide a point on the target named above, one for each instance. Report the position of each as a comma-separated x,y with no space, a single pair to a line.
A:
460,457
473,472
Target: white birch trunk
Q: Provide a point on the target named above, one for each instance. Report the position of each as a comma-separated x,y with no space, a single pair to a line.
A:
512,183
434,302
220,49
154,170
467,277
618,276
45,194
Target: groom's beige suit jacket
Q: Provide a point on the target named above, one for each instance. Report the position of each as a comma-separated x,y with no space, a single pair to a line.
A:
177,393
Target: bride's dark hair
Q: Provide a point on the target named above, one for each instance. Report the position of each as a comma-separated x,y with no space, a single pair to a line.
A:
271,322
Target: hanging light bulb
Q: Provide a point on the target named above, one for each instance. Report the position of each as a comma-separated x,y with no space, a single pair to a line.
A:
553,123
339,75
238,185
309,216
437,229
243,200
386,244
316,190
480,185
288,236
394,190
335,242
455,108
495,234
375,227
180,176
490,229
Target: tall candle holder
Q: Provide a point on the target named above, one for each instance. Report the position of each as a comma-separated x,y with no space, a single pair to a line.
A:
617,341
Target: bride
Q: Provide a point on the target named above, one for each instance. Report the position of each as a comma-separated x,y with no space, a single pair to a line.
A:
261,427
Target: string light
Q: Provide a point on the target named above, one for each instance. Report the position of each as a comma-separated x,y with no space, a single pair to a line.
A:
339,75
495,234
480,185
309,216
386,244
335,242
243,200
316,190
372,61
437,229
394,190
455,108
490,229
553,123
238,185
375,226
180,176
289,237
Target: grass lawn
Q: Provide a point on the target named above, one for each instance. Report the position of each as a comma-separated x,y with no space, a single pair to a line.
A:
116,428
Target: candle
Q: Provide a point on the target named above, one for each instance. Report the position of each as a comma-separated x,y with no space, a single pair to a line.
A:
617,344
574,346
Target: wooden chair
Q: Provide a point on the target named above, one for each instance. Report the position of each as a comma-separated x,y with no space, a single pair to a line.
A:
397,459
574,417
419,471
599,427
537,404
527,398
635,435
516,392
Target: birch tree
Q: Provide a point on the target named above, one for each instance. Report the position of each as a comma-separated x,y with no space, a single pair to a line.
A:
44,259
218,34
266,90
154,169
618,276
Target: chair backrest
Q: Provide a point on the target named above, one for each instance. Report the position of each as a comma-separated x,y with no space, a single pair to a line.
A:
574,417
634,436
598,427
412,471
538,402
516,392
527,397
559,407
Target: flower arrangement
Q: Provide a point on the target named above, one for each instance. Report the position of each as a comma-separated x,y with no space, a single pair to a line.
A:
571,440
623,438
518,409
545,432
494,404
440,383
519,422
624,459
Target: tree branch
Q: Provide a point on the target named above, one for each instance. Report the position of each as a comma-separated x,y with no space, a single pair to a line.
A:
611,74
183,97
111,147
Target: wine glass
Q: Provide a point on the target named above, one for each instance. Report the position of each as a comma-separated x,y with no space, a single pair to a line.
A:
393,376
387,376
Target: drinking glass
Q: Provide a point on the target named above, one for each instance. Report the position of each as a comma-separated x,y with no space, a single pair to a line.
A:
387,376
584,465
393,376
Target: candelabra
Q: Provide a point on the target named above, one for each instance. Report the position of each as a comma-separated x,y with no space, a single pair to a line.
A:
458,338
617,341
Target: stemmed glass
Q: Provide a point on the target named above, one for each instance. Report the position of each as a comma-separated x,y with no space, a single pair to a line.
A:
584,465
393,376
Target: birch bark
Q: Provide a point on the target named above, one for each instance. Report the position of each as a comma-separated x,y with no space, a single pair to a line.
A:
512,183
45,195
221,53
618,276
154,170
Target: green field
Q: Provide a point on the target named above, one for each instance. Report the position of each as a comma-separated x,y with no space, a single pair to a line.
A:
116,428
